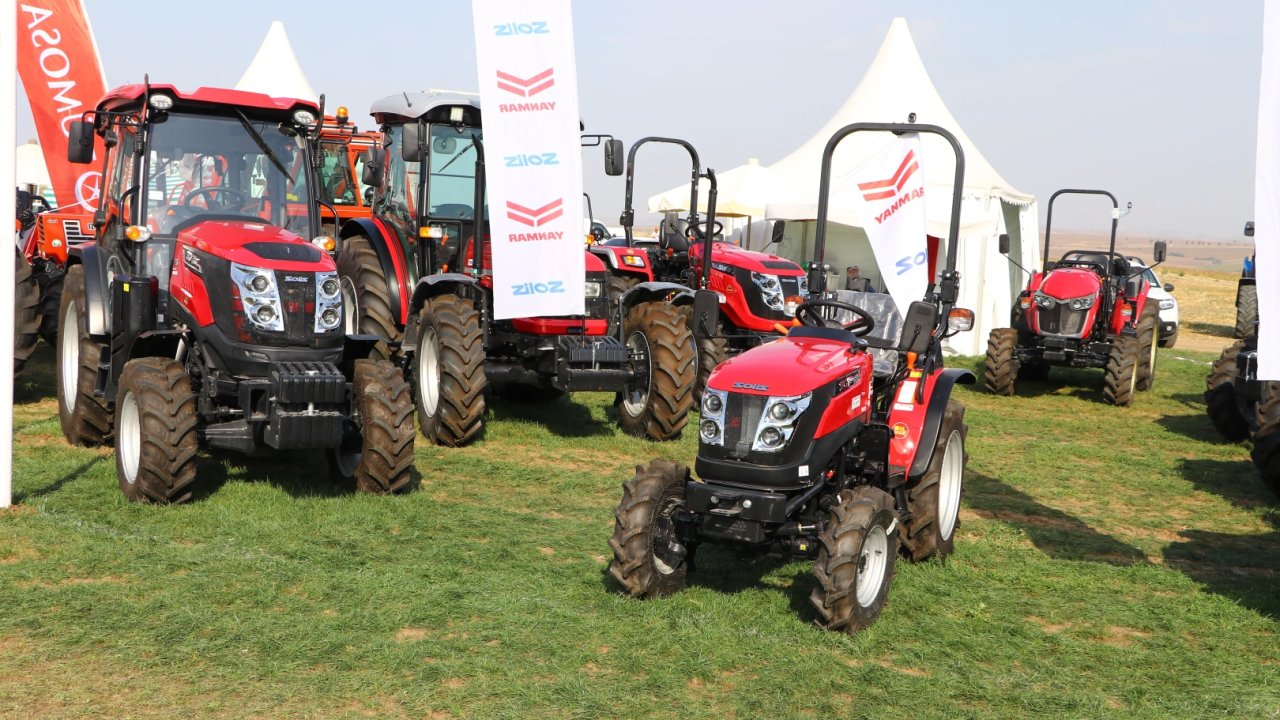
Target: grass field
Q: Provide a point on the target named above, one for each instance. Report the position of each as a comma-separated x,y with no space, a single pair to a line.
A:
1111,563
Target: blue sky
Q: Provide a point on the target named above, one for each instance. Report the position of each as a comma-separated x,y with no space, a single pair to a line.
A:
1155,101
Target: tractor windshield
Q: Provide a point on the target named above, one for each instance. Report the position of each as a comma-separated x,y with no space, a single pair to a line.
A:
451,188
225,167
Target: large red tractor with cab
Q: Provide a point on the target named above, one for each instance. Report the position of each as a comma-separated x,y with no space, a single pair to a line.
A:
204,313
758,292
1088,309
419,272
810,446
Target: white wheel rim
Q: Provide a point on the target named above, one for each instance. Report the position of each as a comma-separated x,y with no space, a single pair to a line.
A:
634,400
350,307
949,485
129,438
874,563
70,343
428,371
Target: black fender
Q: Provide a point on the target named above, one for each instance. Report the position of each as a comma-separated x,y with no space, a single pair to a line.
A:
941,395
384,246
96,293
440,284
157,343
674,293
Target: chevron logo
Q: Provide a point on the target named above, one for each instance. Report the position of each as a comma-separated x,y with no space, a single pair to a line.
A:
526,87
881,189
535,217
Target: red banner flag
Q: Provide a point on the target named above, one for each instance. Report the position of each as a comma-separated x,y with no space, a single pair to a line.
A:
58,64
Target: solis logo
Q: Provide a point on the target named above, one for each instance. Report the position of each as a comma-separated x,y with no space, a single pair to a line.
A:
535,217
537,27
538,288
891,187
906,264
531,160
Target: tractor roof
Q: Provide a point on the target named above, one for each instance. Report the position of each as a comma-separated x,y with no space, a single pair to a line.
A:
126,95
413,105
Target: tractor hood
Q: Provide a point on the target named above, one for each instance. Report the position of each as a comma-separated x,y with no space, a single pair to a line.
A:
1068,283
748,259
256,244
785,367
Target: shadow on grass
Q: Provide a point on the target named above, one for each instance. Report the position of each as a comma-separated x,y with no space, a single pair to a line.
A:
1235,481
36,381
1056,533
1083,383
1241,567
300,474
561,416
1204,328
56,485
1195,426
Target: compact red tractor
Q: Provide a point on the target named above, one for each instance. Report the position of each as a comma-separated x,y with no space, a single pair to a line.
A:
758,292
1088,309
419,272
830,443
204,313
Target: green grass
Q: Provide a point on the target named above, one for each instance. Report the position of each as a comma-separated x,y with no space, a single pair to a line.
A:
1111,563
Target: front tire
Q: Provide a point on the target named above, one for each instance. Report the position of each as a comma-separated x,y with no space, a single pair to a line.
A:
1120,381
1220,399
1266,443
156,441
1246,310
656,406
1149,337
855,565
366,294
449,380
648,559
379,457
86,418
999,374
26,316
935,500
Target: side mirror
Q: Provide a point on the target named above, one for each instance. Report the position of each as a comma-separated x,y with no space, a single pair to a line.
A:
409,148
80,143
613,154
372,172
368,196
1248,229
1004,243
779,231
1168,287
1160,251
706,313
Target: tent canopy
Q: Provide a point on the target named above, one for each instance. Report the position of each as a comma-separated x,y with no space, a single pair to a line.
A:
275,71
741,192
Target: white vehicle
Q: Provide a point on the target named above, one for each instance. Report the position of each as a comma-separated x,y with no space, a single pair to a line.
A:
1168,305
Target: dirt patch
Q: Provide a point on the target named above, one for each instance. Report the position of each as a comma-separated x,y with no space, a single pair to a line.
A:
913,672
410,634
1015,518
1048,626
1122,637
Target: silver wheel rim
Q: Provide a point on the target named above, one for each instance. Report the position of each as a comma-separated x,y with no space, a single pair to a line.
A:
129,438
350,307
428,371
634,400
874,562
949,485
70,368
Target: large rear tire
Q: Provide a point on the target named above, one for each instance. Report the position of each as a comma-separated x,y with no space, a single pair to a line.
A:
656,406
379,457
855,565
448,371
366,294
1120,379
1149,339
1000,372
648,559
26,317
86,418
1266,443
156,442
1220,399
1246,310
711,352
617,287
934,501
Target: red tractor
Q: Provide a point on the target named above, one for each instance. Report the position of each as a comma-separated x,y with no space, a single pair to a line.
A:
758,292
832,442
1088,309
419,272
204,313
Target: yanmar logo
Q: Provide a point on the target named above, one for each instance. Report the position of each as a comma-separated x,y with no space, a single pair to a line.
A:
891,187
525,88
535,217
539,288
531,160
537,27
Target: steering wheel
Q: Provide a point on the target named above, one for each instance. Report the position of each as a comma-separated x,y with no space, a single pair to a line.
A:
861,324
216,189
701,234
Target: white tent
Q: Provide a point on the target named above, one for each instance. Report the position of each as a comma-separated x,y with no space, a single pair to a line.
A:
30,168
275,70
741,192
895,86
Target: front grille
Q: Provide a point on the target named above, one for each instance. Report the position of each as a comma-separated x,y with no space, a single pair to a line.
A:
742,418
1061,320
298,300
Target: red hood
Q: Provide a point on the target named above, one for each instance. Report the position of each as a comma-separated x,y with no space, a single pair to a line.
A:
1068,283
227,239
594,264
786,367
731,254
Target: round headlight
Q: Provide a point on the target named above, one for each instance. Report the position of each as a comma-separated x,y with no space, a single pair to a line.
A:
330,318
259,283
709,429
780,411
160,102
712,404
1044,301
771,437
304,117
264,314
330,287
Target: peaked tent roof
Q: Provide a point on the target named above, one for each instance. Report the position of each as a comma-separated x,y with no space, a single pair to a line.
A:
742,191
29,166
275,71
896,85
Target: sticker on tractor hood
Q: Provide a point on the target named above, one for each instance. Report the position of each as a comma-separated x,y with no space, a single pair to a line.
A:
750,386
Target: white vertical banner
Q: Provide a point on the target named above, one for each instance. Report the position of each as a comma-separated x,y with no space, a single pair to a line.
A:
890,203
1266,198
8,211
533,161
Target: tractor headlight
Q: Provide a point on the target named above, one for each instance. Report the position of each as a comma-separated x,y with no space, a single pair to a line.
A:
771,438
1043,300
594,289
1168,304
778,422
711,429
781,412
767,283
328,302
1081,303
712,403
259,296
633,261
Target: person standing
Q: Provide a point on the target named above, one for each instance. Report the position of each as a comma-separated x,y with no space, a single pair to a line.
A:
854,281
